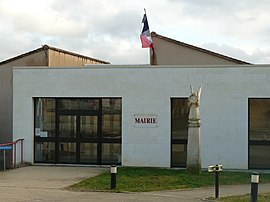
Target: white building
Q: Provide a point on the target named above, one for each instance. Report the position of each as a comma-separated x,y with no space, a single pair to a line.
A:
43,56
137,115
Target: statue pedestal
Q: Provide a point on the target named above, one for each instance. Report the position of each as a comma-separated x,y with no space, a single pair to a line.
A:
193,148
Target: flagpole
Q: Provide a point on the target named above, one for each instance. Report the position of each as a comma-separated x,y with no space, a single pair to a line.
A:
152,51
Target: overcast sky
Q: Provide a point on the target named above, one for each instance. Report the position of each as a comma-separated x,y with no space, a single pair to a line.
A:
109,29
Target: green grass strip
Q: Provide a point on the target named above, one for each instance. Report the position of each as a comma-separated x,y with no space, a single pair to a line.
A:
130,179
246,198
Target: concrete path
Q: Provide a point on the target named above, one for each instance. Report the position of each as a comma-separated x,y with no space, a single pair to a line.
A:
45,183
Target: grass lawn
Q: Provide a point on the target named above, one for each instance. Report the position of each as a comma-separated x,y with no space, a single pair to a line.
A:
246,198
154,179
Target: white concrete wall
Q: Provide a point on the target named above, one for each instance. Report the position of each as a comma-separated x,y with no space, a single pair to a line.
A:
6,68
148,90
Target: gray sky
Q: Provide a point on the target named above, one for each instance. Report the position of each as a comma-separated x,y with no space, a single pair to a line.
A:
109,29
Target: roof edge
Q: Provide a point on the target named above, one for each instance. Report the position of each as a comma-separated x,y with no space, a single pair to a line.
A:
74,54
21,56
47,47
154,34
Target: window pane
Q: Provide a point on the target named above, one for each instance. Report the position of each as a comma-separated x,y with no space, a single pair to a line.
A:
259,133
44,117
45,151
67,152
112,105
111,153
67,126
89,126
179,120
88,153
78,104
179,155
259,116
111,125
259,156
111,117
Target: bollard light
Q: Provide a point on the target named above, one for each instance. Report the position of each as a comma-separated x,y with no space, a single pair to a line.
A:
216,169
114,169
254,186
113,176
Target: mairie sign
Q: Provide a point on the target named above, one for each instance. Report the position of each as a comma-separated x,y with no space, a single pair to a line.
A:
145,120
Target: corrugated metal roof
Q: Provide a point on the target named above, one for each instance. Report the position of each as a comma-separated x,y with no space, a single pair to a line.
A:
46,47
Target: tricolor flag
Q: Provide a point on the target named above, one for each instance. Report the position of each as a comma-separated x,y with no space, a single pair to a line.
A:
146,35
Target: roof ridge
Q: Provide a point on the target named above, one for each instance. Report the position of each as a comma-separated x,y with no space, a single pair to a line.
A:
154,34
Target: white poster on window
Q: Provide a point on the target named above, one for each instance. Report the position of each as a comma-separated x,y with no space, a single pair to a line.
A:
145,120
43,134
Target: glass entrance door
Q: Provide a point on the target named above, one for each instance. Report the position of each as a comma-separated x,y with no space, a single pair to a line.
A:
77,135
88,140
78,130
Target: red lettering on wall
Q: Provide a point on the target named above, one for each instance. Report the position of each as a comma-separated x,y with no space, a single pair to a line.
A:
137,120
146,120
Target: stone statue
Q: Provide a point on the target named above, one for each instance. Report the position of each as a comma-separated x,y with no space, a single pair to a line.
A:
194,119
194,123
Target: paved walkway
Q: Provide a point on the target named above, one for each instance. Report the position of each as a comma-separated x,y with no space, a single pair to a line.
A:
45,183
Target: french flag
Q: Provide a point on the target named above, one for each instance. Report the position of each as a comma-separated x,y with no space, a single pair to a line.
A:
146,35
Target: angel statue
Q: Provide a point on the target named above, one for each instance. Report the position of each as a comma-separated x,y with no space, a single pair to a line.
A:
194,119
194,123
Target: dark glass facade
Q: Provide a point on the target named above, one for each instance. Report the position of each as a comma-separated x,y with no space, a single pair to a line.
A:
179,131
259,133
78,130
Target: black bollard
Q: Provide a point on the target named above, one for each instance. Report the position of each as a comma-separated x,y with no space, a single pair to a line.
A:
113,176
217,184
254,186
216,169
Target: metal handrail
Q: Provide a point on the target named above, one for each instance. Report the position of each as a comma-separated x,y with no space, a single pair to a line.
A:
13,153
